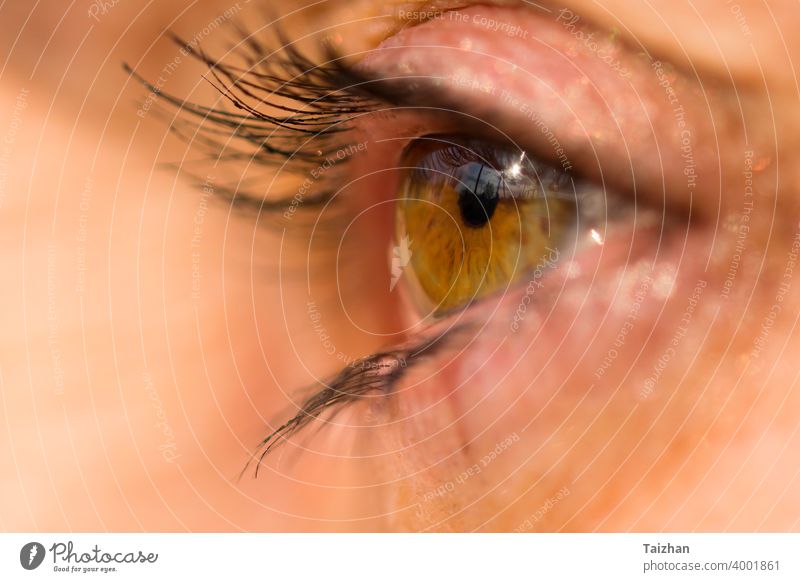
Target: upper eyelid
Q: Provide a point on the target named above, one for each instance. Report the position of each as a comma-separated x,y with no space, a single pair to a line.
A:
358,91
346,82
442,104
652,156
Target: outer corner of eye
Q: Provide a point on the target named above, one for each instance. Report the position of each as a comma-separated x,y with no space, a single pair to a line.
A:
473,218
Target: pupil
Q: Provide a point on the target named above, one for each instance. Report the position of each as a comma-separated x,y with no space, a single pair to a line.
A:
477,193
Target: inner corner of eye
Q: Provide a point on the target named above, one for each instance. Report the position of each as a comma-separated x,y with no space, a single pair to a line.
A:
474,217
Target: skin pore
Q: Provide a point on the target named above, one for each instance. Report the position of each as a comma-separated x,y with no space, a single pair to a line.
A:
153,336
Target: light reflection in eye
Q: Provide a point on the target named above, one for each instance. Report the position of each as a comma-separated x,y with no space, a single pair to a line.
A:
482,216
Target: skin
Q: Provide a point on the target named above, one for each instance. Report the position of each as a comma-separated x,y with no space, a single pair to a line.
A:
131,404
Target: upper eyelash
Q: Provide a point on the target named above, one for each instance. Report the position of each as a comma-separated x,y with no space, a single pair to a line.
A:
293,113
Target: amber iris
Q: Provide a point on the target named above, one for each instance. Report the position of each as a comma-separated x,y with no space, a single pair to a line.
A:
478,217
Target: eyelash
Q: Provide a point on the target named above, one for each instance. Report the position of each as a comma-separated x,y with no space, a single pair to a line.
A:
323,100
374,375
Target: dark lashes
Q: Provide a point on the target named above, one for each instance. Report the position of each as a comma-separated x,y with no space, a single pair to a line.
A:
374,375
283,110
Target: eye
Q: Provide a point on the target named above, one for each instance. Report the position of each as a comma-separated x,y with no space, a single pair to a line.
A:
472,218
475,217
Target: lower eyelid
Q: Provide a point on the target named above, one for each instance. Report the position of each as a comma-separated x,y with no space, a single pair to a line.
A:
372,378
549,345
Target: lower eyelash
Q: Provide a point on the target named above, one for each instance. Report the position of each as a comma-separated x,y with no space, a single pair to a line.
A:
373,376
